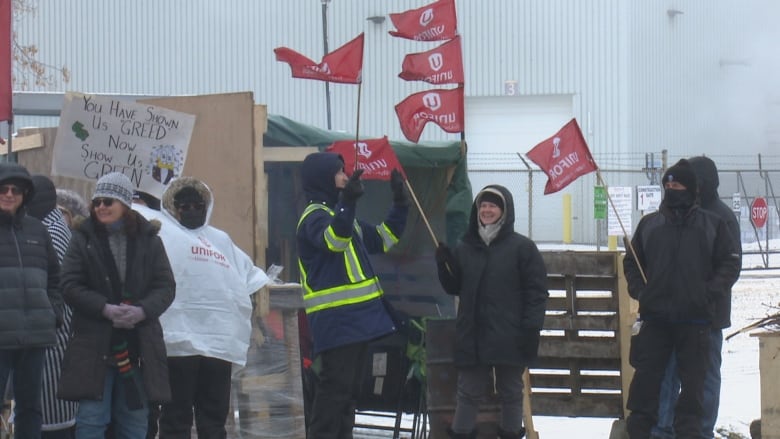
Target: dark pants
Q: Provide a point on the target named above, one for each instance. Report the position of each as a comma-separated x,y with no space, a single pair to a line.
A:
27,367
202,384
651,350
337,390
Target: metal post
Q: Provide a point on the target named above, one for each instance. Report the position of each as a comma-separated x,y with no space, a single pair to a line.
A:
325,47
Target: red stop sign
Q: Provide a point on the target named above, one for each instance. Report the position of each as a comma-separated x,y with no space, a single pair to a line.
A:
758,212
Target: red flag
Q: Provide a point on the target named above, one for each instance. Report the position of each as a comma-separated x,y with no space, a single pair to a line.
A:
564,157
442,65
375,156
442,107
344,64
434,22
6,88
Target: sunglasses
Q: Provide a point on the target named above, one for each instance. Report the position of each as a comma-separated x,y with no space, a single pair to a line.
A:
189,206
104,201
15,190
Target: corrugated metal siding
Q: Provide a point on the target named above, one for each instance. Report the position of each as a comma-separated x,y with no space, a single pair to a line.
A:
641,81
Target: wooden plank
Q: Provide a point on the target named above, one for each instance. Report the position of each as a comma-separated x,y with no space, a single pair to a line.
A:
628,310
609,364
579,263
599,304
23,143
580,322
769,367
287,153
581,283
591,405
591,382
591,348
260,123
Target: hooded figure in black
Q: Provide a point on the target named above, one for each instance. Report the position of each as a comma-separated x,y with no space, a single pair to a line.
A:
681,263
709,200
501,280
342,294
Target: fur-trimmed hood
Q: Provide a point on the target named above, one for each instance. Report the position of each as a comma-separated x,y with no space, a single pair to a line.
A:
180,183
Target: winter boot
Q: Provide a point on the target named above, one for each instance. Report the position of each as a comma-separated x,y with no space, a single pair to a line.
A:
508,435
453,435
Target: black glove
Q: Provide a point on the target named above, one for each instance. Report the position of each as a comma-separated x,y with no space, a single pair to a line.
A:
445,258
529,344
397,185
353,189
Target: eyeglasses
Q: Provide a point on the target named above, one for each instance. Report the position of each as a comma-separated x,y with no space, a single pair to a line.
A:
104,201
15,190
190,206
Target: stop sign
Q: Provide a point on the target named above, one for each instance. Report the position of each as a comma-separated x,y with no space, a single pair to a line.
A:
758,212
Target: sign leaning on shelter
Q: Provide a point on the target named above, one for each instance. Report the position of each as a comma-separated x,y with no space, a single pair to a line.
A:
100,134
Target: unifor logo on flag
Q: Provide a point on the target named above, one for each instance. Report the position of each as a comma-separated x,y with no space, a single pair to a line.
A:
344,65
442,107
374,156
564,157
434,22
442,65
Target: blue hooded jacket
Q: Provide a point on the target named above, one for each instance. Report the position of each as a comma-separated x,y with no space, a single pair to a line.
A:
325,268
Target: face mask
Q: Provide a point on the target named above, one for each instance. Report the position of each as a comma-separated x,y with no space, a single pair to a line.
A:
192,219
676,199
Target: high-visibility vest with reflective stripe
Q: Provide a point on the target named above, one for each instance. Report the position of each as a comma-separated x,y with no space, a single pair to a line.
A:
360,289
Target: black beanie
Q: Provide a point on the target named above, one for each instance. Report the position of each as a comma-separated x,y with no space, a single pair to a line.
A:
681,172
491,197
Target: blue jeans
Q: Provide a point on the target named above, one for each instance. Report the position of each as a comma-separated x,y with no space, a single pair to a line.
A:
670,389
27,367
93,416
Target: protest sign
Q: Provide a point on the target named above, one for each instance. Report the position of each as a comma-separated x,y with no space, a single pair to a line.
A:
101,134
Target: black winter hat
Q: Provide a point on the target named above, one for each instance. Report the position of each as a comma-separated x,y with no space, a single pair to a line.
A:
682,172
491,196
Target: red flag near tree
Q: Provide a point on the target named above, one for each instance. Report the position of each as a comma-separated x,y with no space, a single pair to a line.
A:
344,64
6,88
434,22
440,106
442,65
375,156
564,157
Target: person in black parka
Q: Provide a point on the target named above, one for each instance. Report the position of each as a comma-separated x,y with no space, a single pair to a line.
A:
501,280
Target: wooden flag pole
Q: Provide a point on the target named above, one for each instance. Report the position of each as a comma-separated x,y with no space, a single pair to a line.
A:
422,214
357,125
626,241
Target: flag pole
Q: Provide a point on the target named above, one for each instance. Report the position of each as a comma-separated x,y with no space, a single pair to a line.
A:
422,214
357,124
626,241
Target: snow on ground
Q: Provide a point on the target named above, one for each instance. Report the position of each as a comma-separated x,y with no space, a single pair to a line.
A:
755,295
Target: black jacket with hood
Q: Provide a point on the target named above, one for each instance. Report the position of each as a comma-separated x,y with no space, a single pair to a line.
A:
30,299
690,263
503,293
709,199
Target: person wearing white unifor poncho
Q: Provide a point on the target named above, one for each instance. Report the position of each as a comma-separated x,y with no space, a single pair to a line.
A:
208,327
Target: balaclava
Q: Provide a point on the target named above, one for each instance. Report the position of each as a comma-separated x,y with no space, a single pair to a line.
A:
194,213
682,173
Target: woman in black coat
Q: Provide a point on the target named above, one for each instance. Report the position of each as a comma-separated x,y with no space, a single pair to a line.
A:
117,278
501,280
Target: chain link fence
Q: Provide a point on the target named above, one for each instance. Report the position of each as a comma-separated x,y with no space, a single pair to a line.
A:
554,217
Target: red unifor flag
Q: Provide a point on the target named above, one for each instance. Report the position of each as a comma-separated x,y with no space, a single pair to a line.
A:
442,107
434,22
442,65
6,88
344,64
564,157
375,156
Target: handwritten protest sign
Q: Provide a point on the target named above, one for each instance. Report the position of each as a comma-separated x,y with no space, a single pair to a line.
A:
101,134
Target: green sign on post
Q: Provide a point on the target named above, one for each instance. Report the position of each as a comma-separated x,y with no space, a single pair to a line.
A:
599,202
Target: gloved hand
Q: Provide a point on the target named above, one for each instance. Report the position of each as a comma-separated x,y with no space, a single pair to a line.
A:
529,344
353,189
129,317
397,186
444,258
